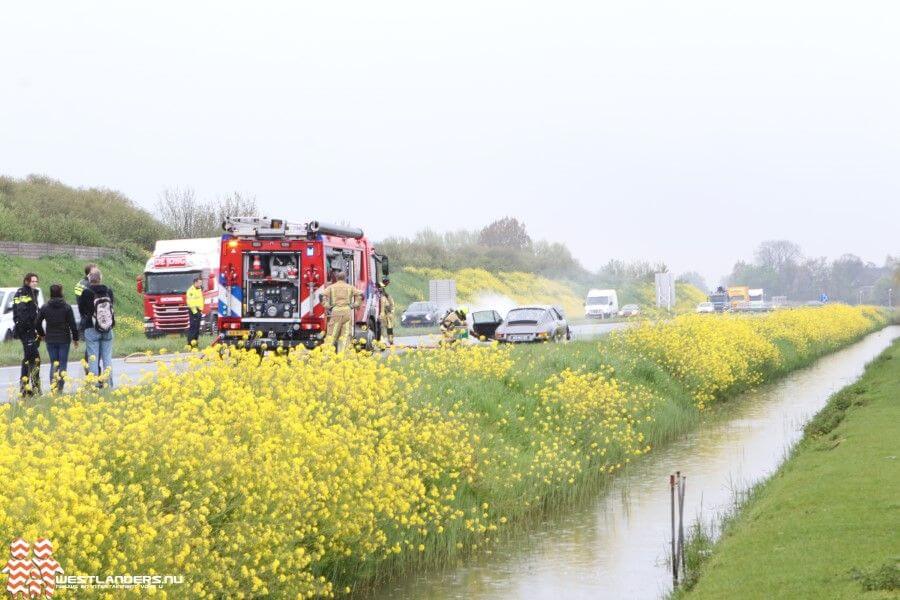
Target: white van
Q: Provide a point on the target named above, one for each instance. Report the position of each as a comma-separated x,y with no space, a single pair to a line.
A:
601,304
6,315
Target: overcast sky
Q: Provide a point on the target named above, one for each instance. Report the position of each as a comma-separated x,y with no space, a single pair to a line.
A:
679,131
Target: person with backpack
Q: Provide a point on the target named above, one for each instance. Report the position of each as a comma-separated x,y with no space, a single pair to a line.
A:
96,306
56,324
25,310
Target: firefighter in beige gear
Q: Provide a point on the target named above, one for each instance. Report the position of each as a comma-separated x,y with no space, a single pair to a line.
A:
340,299
387,311
453,325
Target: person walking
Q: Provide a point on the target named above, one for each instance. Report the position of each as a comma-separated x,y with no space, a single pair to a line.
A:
387,311
25,310
340,298
56,324
96,306
79,288
195,309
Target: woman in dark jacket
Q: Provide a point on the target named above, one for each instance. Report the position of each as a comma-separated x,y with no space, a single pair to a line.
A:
60,331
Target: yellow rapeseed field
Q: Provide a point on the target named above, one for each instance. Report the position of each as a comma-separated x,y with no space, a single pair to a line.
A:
302,475
714,354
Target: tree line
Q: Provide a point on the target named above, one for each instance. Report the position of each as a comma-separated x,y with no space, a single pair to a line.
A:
781,269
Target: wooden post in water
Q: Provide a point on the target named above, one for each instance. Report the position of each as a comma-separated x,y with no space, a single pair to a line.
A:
682,482
674,554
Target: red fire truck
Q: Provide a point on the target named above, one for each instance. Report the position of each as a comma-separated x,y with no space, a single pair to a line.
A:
272,274
167,276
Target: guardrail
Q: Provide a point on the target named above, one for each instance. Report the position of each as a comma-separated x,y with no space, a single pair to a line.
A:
40,250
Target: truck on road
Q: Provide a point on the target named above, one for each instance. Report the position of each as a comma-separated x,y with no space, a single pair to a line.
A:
757,301
168,274
739,297
719,300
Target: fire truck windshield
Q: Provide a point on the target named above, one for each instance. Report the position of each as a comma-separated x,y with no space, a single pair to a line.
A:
169,283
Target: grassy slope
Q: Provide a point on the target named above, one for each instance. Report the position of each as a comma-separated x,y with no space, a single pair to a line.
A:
118,273
830,509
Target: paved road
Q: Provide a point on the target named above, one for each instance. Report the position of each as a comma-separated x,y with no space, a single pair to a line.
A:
131,370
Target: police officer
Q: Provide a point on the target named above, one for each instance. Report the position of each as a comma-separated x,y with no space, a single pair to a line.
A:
25,310
195,308
340,298
82,325
387,311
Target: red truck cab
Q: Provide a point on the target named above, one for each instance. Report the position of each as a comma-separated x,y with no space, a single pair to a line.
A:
167,276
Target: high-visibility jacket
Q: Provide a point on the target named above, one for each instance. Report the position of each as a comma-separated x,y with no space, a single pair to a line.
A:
25,310
195,299
79,287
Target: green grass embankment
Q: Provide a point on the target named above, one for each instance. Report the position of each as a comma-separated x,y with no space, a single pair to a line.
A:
825,525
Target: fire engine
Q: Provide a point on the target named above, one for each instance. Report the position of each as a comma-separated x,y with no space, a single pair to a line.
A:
167,276
272,274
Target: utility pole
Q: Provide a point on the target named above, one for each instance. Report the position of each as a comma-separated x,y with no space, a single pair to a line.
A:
890,297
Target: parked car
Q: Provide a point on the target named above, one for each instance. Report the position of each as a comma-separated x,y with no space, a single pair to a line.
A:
534,324
630,310
485,324
6,306
706,307
420,314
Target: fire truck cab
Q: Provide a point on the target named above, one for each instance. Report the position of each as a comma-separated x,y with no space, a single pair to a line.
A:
272,274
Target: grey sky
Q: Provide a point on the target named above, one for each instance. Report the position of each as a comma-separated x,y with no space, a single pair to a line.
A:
686,132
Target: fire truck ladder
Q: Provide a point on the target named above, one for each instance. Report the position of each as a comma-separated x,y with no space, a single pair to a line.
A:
278,228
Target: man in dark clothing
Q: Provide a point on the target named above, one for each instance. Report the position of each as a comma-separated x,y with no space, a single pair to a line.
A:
25,311
80,287
99,342
59,333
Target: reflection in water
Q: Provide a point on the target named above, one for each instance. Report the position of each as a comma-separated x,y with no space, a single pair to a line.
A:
615,546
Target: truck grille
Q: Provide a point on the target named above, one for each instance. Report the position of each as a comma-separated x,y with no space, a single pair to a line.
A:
170,318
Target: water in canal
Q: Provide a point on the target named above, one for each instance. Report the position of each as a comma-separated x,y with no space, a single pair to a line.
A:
615,546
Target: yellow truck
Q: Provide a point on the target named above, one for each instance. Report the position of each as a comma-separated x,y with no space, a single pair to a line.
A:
739,297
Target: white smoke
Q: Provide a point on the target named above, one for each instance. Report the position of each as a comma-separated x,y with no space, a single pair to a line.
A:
492,301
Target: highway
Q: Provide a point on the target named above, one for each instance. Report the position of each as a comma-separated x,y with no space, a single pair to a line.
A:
130,371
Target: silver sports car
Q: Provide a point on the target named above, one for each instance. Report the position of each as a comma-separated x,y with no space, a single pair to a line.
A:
534,324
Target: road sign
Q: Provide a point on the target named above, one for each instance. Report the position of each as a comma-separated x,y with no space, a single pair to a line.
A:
665,290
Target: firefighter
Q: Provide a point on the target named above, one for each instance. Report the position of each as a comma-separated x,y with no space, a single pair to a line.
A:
25,310
195,308
340,299
387,311
453,325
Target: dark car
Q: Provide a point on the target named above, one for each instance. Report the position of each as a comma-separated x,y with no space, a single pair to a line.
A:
534,324
485,324
420,314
